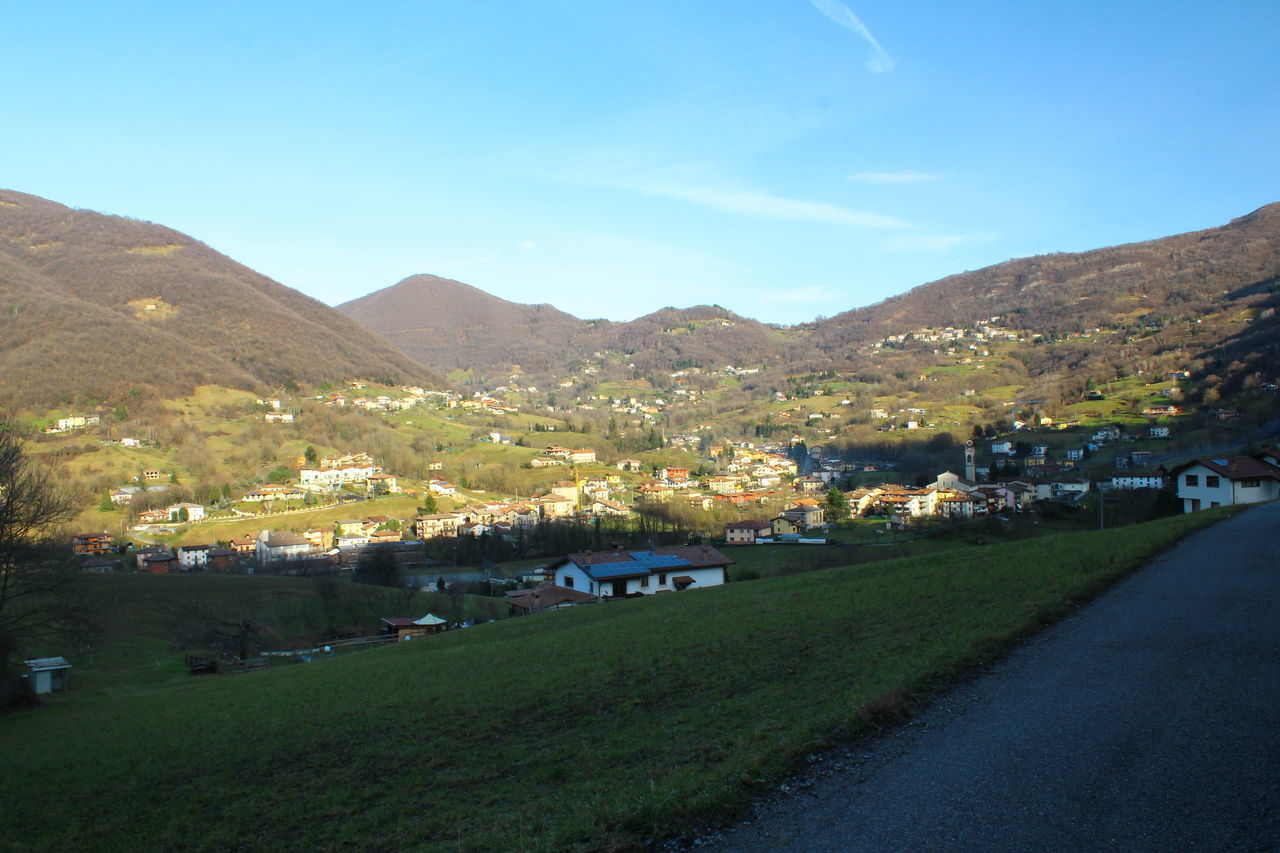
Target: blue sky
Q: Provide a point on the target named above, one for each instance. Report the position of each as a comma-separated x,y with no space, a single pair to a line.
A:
785,159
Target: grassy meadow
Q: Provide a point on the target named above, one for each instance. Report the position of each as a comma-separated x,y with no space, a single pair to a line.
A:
585,729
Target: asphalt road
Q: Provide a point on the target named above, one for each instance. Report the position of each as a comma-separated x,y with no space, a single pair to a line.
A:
1149,720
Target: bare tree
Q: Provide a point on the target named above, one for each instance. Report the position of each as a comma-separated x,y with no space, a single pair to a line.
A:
35,586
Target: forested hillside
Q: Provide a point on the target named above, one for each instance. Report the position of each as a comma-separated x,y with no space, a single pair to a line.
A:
448,325
96,307
1208,298
1204,300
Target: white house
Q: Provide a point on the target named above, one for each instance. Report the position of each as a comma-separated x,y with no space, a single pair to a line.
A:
195,512
618,573
276,545
953,504
1206,483
337,476
124,494
1061,490
1138,481
441,487
194,556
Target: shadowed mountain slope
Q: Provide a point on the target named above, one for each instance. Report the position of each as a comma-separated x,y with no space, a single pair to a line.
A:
1062,293
92,306
447,324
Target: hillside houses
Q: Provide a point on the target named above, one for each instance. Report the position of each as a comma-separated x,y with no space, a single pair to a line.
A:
328,478
74,422
747,532
274,493
570,455
275,546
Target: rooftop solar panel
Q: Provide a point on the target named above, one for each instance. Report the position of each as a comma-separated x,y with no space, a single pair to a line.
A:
650,560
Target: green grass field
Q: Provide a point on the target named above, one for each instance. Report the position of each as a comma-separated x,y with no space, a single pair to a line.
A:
586,729
402,507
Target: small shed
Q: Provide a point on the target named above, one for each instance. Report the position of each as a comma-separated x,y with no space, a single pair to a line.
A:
407,629
46,675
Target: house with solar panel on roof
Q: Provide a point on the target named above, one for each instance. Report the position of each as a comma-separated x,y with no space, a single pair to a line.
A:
619,573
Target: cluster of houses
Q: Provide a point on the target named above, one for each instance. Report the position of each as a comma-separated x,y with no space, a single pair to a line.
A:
557,455
506,518
950,496
244,553
73,422
951,340
747,475
407,398
356,469
801,520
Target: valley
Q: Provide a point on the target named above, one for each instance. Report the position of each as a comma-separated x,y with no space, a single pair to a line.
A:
890,496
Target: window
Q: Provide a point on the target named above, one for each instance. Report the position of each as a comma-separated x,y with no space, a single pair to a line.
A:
1250,484
1211,481
644,582
568,581
1193,480
662,579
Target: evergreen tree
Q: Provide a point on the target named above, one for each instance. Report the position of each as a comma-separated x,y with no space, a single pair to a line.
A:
837,505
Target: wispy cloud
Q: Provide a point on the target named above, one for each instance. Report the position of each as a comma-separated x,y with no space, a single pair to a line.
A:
924,243
879,61
527,244
902,176
766,206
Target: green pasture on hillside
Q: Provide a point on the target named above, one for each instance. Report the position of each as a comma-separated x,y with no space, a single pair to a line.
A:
401,507
145,625
585,729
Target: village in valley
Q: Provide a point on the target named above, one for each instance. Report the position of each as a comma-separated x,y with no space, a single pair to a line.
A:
612,478
677,498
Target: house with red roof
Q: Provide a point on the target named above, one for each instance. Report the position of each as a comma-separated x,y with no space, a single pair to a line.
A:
1206,483
747,532
545,596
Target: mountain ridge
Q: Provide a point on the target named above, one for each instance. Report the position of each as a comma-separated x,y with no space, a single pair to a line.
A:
1168,280
102,306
